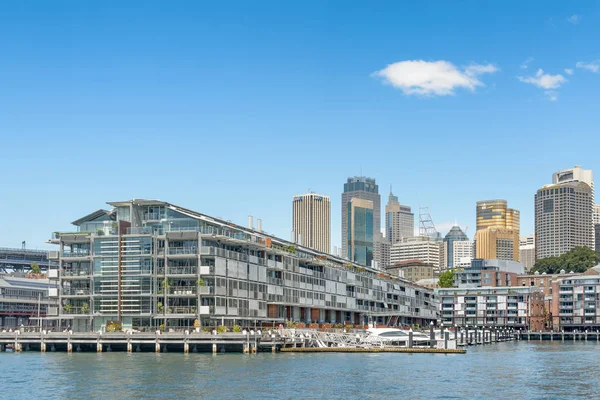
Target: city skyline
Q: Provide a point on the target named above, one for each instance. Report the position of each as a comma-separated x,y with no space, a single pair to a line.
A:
160,106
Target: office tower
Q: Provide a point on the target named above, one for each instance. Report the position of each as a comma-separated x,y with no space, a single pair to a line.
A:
527,251
359,187
596,219
312,221
563,218
497,235
575,174
421,248
360,231
399,220
455,234
381,251
462,253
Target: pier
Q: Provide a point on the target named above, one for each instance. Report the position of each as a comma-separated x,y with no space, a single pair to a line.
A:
559,336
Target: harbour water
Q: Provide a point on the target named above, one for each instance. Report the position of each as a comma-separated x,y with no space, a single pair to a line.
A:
517,370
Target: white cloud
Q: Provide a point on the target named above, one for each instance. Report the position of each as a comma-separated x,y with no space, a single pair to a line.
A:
593,66
574,19
436,78
551,95
544,81
568,71
526,63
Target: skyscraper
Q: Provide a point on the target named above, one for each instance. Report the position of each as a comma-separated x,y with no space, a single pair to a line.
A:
575,174
596,219
311,221
455,234
399,220
497,235
563,218
381,250
359,187
360,231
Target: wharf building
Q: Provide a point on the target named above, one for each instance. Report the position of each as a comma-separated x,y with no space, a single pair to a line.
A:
25,301
515,307
457,249
399,220
362,188
497,235
311,221
563,218
151,264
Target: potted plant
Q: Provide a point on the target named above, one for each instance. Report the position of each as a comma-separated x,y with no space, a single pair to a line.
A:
237,328
160,307
85,308
197,325
68,308
200,282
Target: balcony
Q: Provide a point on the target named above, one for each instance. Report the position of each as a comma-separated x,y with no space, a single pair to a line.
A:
183,251
182,310
75,253
75,273
75,291
181,271
182,290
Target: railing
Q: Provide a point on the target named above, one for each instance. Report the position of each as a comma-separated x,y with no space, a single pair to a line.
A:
182,310
182,270
76,292
182,290
75,272
183,250
76,311
76,253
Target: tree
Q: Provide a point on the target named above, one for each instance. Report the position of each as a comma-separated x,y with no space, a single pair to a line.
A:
578,260
447,279
35,268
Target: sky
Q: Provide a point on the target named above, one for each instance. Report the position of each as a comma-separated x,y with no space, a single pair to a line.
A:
232,108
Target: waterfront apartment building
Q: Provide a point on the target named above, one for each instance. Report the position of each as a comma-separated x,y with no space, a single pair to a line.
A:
516,307
452,257
399,220
527,251
563,218
311,221
576,304
421,248
493,273
359,187
148,263
497,235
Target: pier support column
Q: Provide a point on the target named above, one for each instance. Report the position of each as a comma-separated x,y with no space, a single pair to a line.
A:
253,349
129,347
99,347
214,349
273,349
446,338
43,347
245,348
186,348
462,337
410,339
17,347
69,347
157,348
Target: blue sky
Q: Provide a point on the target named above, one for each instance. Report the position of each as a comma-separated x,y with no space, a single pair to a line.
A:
232,108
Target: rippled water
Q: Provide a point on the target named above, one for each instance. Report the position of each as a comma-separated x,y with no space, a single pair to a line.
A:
524,370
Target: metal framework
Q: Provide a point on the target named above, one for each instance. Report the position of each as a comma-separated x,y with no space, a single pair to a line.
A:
426,225
20,260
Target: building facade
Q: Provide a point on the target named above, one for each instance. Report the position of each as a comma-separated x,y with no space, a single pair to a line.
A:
527,251
311,221
359,187
25,301
498,227
577,303
596,220
516,307
492,273
399,220
462,253
421,248
381,251
151,264
455,234
563,218
413,270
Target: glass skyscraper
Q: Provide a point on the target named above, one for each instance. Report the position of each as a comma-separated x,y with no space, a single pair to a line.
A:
360,231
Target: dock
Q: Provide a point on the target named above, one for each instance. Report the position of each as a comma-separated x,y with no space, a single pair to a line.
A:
370,350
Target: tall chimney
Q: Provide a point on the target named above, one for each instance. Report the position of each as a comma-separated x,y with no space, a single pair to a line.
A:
259,225
250,222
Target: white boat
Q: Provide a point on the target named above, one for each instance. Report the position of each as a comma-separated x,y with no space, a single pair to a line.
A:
396,337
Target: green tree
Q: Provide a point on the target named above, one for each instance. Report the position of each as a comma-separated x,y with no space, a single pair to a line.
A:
35,268
447,279
578,260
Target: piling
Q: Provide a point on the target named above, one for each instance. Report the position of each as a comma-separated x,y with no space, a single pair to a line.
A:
186,348
43,347
214,348
157,348
69,347
129,347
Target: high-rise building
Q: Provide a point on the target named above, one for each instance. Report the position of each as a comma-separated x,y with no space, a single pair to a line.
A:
497,235
399,220
311,221
359,187
455,234
462,253
596,219
421,248
563,218
381,251
360,231
527,251
575,174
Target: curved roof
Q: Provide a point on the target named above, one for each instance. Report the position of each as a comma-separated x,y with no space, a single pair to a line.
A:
456,234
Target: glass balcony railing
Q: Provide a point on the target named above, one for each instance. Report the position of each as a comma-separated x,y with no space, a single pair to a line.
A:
183,250
75,291
76,253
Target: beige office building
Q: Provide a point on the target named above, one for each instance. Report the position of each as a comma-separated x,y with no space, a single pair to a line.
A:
311,225
498,227
417,248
